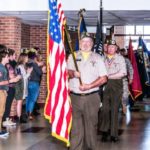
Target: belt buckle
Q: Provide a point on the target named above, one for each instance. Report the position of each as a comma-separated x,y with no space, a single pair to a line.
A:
82,94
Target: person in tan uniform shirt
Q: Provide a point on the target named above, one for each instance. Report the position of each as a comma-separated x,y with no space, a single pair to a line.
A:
112,95
85,98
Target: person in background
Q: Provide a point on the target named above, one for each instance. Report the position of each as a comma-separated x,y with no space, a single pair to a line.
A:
33,84
4,82
112,95
11,66
85,98
21,90
126,80
4,59
3,48
41,64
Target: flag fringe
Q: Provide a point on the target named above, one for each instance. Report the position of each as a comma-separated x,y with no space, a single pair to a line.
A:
140,92
48,70
62,138
47,115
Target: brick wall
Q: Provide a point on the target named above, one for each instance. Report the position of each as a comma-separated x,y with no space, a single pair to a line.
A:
16,36
10,35
10,32
38,36
25,36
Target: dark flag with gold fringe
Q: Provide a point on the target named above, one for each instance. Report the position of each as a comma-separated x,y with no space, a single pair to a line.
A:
81,27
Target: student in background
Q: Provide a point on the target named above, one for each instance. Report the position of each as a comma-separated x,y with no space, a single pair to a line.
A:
4,82
4,59
33,84
21,89
11,92
42,65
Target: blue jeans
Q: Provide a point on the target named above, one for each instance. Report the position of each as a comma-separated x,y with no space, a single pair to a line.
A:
33,92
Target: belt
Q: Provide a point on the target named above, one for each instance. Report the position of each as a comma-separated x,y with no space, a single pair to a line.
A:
84,94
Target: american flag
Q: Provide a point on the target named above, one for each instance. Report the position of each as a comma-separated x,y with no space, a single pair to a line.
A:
58,107
98,48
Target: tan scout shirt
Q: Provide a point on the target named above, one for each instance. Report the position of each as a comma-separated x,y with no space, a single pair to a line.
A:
116,65
90,70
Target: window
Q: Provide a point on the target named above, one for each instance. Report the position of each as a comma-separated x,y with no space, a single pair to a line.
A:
134,41
130,29
139,30
135,32
147,30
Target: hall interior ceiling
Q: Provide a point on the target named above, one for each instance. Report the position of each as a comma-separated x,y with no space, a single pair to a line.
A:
118,17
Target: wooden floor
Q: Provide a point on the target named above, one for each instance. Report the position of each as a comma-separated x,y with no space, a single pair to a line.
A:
134,133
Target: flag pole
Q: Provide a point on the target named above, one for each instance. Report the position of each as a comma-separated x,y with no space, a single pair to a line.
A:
80,13
101,21
72,52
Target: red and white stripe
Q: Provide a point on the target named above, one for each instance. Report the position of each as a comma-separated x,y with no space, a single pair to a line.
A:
62,18
59,100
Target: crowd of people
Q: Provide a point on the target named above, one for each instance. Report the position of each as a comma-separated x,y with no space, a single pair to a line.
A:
100,84
112,73
19,80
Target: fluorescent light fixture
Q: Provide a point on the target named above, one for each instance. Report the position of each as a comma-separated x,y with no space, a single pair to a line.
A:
44,19
146,18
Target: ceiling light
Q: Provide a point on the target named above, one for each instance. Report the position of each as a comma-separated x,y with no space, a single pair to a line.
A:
146,18
44,19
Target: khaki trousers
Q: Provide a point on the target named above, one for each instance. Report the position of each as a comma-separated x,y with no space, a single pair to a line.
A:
85,119
111,101
3,95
